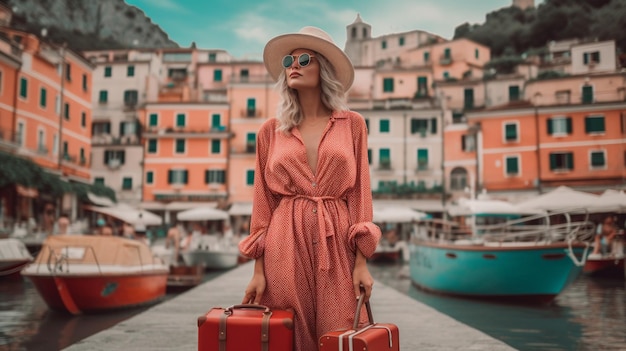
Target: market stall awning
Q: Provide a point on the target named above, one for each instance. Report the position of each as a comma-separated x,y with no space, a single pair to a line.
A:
397,215
202,214
100,200
562,198
240,209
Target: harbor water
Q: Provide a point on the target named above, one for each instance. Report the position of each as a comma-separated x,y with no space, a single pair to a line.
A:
589,315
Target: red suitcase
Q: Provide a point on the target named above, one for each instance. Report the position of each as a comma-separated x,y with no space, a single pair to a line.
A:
245,327
374,337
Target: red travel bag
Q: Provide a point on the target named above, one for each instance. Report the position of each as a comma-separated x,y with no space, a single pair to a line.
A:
245,327
373,337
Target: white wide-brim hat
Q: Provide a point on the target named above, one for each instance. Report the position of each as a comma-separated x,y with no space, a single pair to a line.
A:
311,38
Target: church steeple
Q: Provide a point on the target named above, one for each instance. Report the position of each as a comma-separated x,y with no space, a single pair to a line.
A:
357,33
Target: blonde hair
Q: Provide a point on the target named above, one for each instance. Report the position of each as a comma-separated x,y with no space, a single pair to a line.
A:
289,113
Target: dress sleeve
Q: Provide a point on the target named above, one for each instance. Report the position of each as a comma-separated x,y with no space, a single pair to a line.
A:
363,234
264,202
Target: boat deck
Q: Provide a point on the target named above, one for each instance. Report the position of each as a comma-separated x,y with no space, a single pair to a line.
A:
172,325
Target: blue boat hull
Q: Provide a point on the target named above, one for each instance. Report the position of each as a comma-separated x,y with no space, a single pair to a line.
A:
537,273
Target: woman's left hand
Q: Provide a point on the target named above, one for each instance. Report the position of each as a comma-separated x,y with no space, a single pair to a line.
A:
361,277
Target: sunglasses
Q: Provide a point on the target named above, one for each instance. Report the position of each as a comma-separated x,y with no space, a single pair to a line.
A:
303,60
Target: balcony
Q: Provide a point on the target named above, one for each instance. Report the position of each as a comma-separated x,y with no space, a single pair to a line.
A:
251,113
445,60
384,165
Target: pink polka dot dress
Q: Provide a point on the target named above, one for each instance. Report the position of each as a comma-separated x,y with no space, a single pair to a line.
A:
308,226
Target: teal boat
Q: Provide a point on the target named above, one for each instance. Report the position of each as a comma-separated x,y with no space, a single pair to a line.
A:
496,251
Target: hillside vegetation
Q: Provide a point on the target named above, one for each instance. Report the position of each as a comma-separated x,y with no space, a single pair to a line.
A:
512,31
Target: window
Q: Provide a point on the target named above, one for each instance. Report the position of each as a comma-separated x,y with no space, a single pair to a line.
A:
476,53
559,125
419,126
388,85
251,142
216,121
367,125
180,146
130,98
153,120
384,126
512,165
458,179
130,71
55,144
383,44
19,135
587,94
217,75
510,132
384,158
177,176
216,146
422,159
245,74
43,97
23,88
468,95
85,85
101,128
369,156
594,124
41,142
98,180
66,111
149,177
152,146
81,154
68,72
127,183
446,53
597,159
180,120
561,161
426,56
250,177
212,57
114,157
214,176
468,142
108,71
591,57
422,87
251,107
401,41
514,93
83,119
446,75
104,97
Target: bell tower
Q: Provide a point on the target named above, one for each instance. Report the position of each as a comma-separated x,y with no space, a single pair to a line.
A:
357,33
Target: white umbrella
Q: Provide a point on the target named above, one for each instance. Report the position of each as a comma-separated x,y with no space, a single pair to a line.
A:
397,215
609,201
562,198
468,207
202,214
129,214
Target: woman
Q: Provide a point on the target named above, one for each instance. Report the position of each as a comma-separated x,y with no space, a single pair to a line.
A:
605,234
311,227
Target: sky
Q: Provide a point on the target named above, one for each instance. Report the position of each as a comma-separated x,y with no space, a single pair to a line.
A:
242,27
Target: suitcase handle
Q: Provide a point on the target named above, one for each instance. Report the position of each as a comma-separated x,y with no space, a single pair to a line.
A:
359,305
249,306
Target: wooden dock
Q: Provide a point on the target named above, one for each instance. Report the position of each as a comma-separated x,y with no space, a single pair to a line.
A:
172,325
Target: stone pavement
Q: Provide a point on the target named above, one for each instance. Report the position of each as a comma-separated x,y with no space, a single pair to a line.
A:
172,325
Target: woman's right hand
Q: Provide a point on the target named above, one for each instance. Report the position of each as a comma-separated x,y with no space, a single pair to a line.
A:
256,287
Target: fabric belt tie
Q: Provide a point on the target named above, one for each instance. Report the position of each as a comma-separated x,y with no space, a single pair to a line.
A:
325,229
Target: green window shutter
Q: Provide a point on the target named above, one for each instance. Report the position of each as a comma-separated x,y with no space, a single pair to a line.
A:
553,161
251,138
185,177
433,125
107,71
217,75
107,156
127,183
422,159
594,125
251,107
107,128
149,177
414,125
66,111
85,85
83,119
180,120
170,176
153,120
207,176
387,85
597,159
215,120
446,53
180,146
569,160
122,156
586,58
152,146
401,41
568,122
42,97
550,123
384,44
369,156
384,155
512,165
476,53
215,146
250,177
426,56
367,125
514,93
98,180
23,88
104,96
468,96
130,71
384,126
510,132
422,86
587,95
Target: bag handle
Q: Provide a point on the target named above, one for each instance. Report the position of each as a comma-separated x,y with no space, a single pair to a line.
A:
359,305
265,324
248,306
